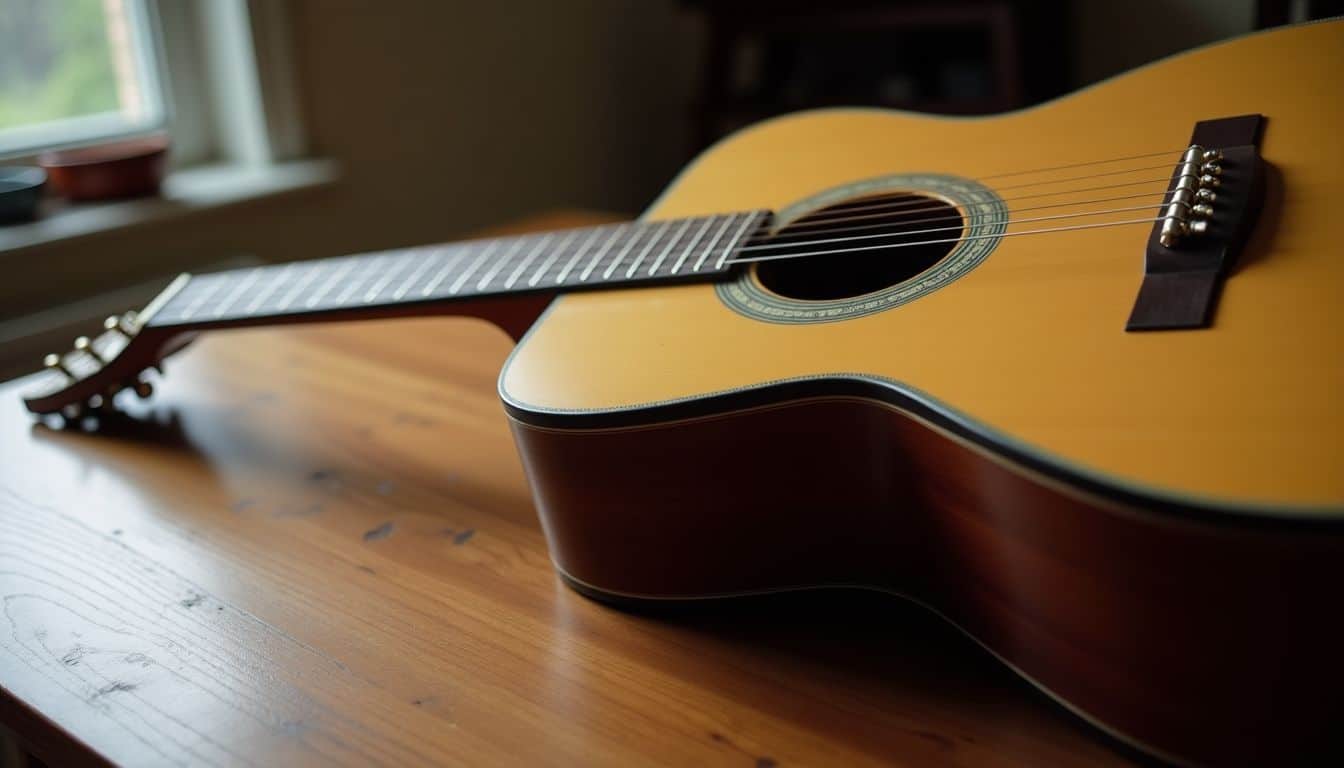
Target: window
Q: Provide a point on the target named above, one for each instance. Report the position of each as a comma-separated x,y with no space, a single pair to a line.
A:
74,71
215,75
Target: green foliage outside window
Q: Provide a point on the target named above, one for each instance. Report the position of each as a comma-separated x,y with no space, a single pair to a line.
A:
55,61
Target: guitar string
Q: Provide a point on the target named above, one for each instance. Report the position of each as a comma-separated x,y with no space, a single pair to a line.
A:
887,246
905,233
1044,231
924,201
914,206
901,197
923,205
797,230
859,203
1083,164
469,248
639,232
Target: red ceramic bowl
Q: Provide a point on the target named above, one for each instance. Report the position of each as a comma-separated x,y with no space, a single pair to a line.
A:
129,168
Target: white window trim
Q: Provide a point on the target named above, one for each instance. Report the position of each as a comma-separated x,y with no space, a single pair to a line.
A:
27,142
247,113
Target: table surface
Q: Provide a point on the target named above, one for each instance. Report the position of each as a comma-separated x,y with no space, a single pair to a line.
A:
316,546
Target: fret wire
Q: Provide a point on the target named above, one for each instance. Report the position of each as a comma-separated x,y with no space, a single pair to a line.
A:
370,270
480,259
752,218
668,249
630,244
294,292
238,291
282,286
567,259
527,260
561,261
458,252
271,288
552,257
331,282
687,252
202,296
648,247
617,231
426,261
574,259
501,262
398,260
700,262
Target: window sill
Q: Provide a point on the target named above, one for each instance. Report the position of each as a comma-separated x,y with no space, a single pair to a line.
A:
184,192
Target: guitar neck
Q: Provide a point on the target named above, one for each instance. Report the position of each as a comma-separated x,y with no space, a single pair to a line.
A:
699,248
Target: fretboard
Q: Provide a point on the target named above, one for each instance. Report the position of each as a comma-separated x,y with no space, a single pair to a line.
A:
572,259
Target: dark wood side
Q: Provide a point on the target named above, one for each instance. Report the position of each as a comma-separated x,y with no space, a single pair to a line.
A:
1216,643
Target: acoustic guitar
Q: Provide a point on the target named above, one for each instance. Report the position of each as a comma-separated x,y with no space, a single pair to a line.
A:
1071,377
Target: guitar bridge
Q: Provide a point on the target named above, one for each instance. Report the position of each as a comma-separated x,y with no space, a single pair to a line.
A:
1215,195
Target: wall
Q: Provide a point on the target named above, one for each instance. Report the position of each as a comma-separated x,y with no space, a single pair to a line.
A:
1113,36
449,116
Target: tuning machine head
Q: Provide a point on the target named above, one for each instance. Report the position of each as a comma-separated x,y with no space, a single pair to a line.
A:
86,378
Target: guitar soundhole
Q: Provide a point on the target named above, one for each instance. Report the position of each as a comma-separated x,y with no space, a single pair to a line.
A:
859,246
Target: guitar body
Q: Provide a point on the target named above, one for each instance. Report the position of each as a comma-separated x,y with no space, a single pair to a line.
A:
1147,525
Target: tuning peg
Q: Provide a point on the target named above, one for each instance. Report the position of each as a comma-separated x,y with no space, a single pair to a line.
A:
54,362
83,344
73,411
113,323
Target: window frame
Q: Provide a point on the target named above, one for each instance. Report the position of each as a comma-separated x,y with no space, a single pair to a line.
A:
31,140
223,75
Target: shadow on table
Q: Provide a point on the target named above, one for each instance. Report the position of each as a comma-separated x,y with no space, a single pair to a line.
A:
867,641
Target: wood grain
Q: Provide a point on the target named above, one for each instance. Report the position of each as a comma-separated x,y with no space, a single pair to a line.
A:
315,546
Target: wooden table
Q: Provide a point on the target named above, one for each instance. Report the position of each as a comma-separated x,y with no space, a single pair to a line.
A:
316,546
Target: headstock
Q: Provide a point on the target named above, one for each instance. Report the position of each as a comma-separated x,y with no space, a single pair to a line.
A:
87,377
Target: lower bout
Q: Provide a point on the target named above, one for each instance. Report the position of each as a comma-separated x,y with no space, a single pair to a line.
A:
1201,641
